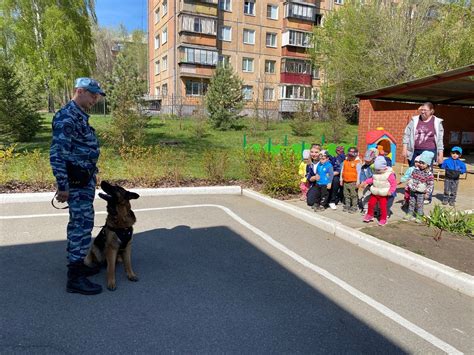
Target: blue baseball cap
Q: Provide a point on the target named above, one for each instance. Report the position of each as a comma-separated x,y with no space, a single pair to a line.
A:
457,149
90,85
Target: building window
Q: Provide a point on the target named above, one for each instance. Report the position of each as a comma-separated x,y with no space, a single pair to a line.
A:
268,94
249,36
272,12
271,40
223,60
165,63
270,67
199,56
315,72
164,89
249,7
225,5
339,2
157,91
157,67
195,88
157,41
225,33
247,92
247,65
165,7
164,36
157,14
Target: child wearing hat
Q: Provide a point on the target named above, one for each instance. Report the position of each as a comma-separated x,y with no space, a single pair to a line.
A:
350,171
366,172
453,167
336,191
406,176
421,185
302,171
318,194
384,184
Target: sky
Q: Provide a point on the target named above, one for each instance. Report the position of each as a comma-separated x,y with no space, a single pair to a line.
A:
131,13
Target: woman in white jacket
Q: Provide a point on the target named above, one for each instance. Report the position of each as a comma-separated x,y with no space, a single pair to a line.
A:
425,132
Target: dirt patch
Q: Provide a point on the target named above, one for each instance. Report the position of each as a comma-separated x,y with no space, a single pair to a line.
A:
452,250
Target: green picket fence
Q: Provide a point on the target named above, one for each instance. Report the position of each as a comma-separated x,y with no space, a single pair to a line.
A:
297,148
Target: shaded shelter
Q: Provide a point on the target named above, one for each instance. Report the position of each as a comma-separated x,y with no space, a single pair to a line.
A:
392,107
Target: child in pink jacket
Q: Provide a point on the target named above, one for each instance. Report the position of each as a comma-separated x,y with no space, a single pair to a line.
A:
384,184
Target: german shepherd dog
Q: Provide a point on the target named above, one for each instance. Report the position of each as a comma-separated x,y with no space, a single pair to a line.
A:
115,238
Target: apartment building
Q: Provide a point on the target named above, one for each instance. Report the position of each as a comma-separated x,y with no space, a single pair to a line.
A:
265,41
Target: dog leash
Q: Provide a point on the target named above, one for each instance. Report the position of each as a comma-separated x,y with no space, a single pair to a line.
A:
58,208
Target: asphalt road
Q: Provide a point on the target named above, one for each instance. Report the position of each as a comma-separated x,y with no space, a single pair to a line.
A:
219,274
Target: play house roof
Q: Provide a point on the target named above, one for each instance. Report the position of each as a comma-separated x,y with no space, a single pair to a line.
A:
373,136
454,87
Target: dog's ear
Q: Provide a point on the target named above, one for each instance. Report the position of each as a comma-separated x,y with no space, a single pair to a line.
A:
131,195
106,197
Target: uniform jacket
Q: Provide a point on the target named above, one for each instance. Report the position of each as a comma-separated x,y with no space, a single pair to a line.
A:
74,141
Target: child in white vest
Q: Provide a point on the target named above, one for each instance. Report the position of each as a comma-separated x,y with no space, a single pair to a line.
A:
384,184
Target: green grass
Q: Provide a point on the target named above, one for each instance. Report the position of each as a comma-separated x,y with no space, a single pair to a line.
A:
173,141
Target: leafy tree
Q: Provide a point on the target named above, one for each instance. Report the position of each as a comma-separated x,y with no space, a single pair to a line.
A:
371,44
224,99
125,90
52,38
18,121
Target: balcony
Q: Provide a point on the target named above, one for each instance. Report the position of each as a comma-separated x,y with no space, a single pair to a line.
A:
198,7
296,39
302,11
295,78
197,55
197,24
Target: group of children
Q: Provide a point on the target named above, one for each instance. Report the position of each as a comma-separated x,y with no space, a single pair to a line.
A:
326,180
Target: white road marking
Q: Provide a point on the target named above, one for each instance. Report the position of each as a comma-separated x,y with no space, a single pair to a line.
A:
432,339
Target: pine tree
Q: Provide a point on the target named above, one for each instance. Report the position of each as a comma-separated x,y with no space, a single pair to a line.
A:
125,90
224,99
18,121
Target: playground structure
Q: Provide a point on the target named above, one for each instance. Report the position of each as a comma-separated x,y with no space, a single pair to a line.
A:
379,136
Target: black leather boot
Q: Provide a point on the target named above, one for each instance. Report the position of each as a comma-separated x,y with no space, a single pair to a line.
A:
77,281
90,270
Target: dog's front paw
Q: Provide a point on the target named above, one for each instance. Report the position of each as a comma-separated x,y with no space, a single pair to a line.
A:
133,278
111,286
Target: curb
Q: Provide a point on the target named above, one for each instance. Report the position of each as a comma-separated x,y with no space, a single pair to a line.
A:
199,190
441,273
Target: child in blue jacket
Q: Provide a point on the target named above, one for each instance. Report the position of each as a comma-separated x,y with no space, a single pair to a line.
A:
453,168
321,178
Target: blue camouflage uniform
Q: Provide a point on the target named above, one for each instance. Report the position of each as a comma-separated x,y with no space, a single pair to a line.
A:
75,141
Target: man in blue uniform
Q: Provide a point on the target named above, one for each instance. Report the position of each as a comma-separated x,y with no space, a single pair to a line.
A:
73,156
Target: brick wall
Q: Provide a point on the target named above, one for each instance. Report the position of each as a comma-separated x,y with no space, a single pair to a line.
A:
394,116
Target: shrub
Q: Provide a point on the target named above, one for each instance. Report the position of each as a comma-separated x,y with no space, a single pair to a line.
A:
253,164
215,165
280,174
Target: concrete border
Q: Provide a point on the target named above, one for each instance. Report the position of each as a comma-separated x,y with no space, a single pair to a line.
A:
441,273
198,190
